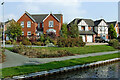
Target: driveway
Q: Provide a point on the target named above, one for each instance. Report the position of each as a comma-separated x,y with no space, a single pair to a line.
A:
14,59
96,43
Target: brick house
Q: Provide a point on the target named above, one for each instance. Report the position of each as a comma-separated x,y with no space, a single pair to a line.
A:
101,28
7,24
85,27
116,26
36,24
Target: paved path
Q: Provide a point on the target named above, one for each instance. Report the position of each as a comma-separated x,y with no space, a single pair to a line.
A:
14,59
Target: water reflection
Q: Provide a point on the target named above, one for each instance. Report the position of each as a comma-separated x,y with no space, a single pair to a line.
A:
106,71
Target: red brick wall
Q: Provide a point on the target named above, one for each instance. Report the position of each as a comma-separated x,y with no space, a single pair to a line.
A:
56,25
93,38
25,18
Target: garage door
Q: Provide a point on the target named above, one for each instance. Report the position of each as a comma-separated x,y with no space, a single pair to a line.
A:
89,38
83,37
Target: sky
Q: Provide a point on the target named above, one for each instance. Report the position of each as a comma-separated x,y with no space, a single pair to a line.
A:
88,9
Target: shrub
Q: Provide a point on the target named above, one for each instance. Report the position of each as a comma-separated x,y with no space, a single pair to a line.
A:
8,42
2,55
70,42
47,42
40,53
37,43
114,43
26,42
51,35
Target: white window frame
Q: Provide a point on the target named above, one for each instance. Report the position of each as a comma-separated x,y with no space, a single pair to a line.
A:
28,24
22,33
51,25
22,24
28,33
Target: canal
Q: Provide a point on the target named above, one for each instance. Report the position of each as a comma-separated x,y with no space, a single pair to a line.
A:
111,70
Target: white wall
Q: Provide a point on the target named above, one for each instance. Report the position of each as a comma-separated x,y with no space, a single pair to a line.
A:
105,28
82,23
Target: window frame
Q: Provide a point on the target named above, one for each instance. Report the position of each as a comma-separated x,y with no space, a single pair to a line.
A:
28,32
50,24
22,24
28,25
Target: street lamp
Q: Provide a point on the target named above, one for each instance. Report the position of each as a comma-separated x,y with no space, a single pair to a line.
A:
3,25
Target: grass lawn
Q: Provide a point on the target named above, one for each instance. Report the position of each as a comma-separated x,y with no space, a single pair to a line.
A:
80,50
19,70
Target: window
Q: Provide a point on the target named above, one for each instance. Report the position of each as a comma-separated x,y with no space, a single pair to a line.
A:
28,24
29,33
50,23
83,28
22,24
103,28
38,25
22,32
42,25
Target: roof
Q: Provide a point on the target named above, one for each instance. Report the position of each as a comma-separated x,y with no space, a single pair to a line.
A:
86,32
97,22
113,22
90,22
9,21
41,17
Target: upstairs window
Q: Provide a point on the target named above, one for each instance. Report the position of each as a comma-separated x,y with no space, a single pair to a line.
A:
28,24
50,23
83,28
102,28
22,24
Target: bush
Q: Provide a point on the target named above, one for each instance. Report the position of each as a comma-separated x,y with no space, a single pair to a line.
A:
8,42
2,55
37,43
114,43
70,42
26,42
47,42
40,53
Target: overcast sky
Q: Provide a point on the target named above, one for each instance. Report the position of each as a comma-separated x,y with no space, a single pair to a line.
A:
94,9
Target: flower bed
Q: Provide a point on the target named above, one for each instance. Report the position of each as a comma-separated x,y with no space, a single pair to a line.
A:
40,53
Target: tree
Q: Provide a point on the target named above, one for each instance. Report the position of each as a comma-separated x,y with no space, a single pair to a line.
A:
73,31
111,31
14,30
64,32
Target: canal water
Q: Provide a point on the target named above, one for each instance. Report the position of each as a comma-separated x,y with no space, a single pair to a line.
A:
105,71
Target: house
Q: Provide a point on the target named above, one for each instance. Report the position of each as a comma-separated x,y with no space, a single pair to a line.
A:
7,24
119,27
85,27
37,24
101,29
116,26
